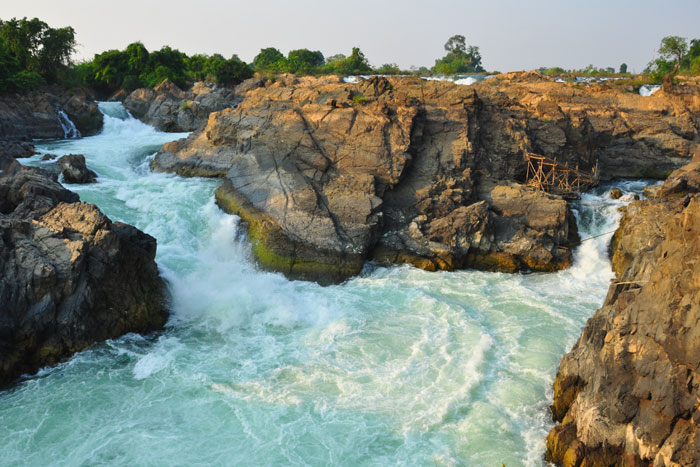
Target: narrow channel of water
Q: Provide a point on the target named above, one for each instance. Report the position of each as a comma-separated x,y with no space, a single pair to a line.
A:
397,367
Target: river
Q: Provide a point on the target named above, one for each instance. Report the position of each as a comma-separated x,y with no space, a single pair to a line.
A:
396,367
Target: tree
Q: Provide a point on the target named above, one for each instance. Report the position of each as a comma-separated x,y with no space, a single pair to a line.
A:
138,58
623,68
304,61
457,43
37,47
355,64
673,47
460,58
231,72
270,59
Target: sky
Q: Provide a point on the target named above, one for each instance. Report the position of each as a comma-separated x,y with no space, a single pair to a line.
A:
511,34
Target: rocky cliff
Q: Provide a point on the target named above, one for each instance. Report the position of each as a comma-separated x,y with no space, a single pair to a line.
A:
329,174
169,108
68,275
628,392
35,115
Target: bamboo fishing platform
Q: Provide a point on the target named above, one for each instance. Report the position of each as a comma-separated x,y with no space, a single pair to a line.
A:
548,175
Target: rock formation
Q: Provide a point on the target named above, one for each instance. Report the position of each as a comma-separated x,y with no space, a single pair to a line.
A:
74,170
34,115
628,392
68,275
329,174
168,108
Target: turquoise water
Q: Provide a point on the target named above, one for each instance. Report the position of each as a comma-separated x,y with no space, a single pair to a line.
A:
396,367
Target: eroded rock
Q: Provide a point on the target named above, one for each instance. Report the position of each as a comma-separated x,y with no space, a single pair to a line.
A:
169,108
74,169
627,393
395,169
68,275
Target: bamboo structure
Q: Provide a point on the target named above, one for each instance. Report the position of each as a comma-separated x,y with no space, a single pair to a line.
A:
548,175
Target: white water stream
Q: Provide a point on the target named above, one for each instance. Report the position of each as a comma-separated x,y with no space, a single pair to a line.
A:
397,367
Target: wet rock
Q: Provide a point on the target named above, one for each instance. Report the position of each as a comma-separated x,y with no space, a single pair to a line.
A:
169,108
48,157
16,148
616,193
627,392
34,115
68,275
74,170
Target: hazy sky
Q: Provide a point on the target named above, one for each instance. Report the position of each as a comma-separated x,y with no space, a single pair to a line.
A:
512,35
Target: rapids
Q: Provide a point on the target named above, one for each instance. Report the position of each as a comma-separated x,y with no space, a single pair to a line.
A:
399,366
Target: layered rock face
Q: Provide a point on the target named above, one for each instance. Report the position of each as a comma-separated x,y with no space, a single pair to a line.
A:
329,174
169,108
34,115
628,392
68,275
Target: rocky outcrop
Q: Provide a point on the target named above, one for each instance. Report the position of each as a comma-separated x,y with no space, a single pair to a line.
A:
68,275
169,108
35,115
330,174
16,149
628,392
74,170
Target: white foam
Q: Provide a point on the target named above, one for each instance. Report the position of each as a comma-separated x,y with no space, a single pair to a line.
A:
648,89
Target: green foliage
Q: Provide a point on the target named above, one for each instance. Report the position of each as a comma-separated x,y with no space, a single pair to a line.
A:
359,99
131,82
554,71
623,69
304,61
26,80
388,69
270,60
676,55
460,58
355,64
31,49
230,72
136,67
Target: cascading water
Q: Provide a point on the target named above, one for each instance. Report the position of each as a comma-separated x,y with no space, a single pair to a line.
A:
399,366
69,129
648,89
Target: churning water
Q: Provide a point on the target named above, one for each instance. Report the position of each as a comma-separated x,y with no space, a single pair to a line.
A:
397,367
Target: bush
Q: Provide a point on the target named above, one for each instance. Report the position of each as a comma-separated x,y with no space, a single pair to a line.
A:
131,82
26,80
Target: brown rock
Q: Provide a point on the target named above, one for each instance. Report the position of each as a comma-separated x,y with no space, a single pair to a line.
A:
394,169
169,108
616,193
628,390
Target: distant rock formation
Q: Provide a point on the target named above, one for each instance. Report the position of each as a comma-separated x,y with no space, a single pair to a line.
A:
34,115
628,392
169,108
68,275
329,174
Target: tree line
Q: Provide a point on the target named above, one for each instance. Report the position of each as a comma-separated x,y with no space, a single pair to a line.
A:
32,54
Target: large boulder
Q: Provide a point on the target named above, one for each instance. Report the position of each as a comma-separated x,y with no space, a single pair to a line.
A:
74,169
68,275
169,108
627,393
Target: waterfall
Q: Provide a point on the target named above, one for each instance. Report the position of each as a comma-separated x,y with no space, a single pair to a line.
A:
69,129
649,89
